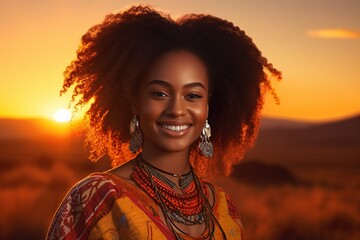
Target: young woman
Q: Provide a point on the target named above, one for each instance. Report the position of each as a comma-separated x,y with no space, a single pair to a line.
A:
155,86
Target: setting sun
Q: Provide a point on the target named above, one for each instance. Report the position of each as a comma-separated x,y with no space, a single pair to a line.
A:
62,115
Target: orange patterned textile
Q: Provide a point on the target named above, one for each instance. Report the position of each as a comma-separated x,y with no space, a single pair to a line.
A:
104,206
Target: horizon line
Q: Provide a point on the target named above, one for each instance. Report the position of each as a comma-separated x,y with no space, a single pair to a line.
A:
293,119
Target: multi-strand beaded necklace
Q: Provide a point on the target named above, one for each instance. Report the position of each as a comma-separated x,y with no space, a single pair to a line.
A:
190,207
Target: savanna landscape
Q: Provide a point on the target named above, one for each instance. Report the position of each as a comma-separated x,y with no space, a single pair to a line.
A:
300,181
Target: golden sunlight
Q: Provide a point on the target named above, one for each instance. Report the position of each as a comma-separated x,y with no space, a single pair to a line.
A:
62,115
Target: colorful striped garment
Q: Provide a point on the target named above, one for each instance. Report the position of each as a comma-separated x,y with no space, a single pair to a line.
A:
104,206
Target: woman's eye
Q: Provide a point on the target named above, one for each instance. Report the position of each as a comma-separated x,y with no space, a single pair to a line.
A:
159,94
194,96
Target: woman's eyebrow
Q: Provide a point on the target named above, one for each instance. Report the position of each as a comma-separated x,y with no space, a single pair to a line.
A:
194,84
166,84
158,82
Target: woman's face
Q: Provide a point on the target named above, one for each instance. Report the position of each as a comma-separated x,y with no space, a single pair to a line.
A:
173,102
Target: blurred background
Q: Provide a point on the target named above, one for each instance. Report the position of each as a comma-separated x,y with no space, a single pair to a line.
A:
301,179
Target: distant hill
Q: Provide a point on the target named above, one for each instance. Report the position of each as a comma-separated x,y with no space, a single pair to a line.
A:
271,123
336,142
345,129
16,129
339,133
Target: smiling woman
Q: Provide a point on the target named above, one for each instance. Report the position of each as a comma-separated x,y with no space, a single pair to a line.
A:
170,80
172,111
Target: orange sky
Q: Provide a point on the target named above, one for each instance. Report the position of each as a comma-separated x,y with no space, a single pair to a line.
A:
316,44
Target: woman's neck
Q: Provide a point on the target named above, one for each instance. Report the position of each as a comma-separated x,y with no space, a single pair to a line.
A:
173,162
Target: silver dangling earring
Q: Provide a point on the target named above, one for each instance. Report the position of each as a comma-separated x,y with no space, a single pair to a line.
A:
205,145
136,137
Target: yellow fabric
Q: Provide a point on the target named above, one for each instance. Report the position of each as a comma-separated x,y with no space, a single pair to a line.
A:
126,220
232,227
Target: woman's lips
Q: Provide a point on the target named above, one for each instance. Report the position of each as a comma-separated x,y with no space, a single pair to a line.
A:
175,127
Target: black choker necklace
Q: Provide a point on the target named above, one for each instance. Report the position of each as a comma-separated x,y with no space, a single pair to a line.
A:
163,171
184,180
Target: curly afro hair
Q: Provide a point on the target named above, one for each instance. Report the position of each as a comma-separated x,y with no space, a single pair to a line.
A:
114,56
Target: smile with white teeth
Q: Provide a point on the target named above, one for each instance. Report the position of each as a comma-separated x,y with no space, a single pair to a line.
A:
175,128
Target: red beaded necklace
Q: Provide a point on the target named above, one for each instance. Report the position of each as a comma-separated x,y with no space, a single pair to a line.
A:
190,208
189,203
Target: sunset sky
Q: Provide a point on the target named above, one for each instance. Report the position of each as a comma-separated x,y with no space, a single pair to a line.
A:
316,44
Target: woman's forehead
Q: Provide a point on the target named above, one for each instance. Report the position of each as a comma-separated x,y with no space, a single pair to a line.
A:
179,66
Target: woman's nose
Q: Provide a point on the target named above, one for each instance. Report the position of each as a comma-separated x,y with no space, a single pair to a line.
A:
176,107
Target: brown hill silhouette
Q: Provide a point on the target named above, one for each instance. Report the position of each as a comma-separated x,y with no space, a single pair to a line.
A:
344,132
271,123
16,129
333,143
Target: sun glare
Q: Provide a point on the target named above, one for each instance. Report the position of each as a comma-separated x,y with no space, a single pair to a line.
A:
62,115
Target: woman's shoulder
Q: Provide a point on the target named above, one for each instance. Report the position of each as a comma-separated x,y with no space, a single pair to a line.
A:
215,189
225,206
93,181
85,203
218,190
223,200
94,188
